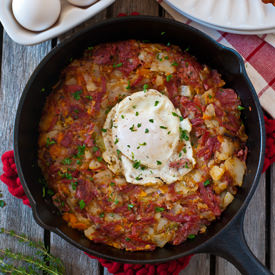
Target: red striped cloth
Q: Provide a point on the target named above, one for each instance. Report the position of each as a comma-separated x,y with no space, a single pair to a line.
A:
258,53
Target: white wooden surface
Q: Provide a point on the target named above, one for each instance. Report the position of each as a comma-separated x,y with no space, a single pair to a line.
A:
17,63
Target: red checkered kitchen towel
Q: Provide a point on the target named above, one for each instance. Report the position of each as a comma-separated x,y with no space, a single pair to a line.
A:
258,53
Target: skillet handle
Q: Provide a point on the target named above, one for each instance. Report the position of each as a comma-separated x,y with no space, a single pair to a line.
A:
232,246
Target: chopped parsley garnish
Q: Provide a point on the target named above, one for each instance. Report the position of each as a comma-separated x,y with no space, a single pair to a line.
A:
156,103
102,215
137,113
240,108
99,159
43,192
89,97
162,127
135,106
128,86
151,120
82,204
127,239
128,146
112,183
67,176
43,90
139,125
162,33
104,130
122,116
143,144
108,110
76,111
168,44
191,236
95,149
207,182
90,48
180,154
117,65
80,150
175,114
132,128
186,64
145,87
91,178
145,41
146,131
139,177
184,134
166,57
50,142
66,161
174,64
118,154
169,133
159,209
159,162
74,185
130,206
168,77
116,141
186,165
184,150
159,57
210,96
77,94
187,50
136,164
116,201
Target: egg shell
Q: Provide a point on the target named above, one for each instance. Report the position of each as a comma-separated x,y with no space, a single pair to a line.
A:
36,15
82,3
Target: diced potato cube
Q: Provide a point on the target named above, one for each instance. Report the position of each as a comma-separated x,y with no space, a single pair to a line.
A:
228,198
236,169
210,111
94,164
216,172
226,150
185,91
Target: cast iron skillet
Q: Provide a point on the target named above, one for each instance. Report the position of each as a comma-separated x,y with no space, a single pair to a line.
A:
224,237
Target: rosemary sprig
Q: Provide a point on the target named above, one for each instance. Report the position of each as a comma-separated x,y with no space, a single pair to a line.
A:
43,261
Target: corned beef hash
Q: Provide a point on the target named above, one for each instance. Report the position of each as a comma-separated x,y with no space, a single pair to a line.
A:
140,145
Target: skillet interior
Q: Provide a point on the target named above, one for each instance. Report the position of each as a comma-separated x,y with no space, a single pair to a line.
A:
227,62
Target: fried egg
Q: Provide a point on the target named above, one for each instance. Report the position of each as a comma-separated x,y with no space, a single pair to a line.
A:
147,140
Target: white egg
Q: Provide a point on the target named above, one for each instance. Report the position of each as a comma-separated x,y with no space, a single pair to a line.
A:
36,15
144,140
82,3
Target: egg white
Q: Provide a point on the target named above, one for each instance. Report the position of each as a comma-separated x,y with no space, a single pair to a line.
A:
141,139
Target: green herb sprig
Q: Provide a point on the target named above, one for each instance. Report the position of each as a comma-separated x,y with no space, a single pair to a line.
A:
42,261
